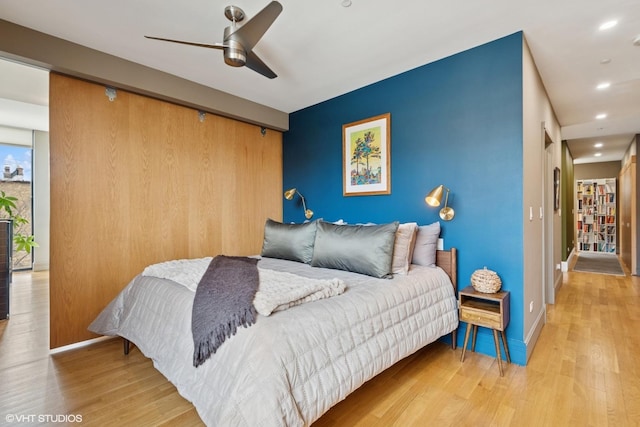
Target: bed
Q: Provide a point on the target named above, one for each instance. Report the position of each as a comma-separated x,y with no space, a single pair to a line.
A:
290,367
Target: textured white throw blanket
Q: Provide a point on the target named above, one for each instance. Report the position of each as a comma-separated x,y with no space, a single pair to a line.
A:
277,291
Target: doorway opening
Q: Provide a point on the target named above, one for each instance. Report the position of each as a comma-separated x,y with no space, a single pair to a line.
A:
15,181
548,209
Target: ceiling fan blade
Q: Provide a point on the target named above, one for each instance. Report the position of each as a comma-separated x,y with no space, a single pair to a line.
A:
210,46
251,32
258,66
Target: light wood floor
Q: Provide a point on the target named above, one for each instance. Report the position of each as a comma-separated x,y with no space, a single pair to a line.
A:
584,371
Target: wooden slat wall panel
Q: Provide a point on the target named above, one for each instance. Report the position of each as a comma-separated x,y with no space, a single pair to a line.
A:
138,181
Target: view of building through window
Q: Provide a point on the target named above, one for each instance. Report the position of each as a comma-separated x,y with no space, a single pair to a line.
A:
16,181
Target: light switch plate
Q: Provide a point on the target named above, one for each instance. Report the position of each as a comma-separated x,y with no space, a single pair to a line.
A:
440,244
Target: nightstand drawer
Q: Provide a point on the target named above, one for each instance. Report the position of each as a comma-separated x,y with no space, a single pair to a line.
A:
485,318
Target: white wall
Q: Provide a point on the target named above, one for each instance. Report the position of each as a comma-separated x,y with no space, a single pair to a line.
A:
16,136
538,116
41,200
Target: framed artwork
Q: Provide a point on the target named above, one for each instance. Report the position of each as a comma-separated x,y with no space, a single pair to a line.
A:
366,156
556,189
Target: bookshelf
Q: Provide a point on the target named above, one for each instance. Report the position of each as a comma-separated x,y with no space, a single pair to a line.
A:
596,215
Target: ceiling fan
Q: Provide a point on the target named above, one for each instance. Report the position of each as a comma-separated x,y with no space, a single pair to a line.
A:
238,42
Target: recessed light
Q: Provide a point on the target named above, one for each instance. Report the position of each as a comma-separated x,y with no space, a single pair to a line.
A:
605,61
607,25
346,3
598,154
603,85
601,116
598,144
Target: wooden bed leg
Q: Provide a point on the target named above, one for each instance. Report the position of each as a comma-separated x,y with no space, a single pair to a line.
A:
454,339
126,346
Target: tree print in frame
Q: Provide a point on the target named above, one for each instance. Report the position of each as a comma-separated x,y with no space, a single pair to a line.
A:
366,156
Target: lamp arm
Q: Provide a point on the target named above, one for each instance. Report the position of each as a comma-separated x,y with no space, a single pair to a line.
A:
304,203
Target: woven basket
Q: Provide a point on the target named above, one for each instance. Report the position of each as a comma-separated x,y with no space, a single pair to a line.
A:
486,281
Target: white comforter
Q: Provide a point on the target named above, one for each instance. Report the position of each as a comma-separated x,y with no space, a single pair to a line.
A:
289,368
278,290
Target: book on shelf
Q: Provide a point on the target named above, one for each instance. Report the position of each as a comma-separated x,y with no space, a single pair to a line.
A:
595,215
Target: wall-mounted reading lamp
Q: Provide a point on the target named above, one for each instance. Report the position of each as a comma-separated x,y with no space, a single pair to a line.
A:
308,213
434,198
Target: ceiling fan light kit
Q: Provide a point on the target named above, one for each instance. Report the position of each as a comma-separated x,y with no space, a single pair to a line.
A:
238,42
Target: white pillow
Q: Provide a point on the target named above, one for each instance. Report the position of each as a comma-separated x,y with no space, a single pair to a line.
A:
424,252
403,247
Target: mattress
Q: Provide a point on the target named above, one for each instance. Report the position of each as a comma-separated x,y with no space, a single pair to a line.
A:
290,367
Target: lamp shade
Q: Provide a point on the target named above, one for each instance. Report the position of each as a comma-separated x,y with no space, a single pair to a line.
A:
290,193
434,198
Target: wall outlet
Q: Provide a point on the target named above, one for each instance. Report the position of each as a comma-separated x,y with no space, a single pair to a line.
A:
531,307
440,244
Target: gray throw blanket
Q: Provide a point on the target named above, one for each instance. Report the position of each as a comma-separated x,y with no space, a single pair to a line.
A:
223,302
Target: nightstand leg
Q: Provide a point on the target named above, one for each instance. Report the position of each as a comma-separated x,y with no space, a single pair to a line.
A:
466,341
473,340
506,347
496,340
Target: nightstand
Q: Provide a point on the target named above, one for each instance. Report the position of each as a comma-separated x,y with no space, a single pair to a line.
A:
489,311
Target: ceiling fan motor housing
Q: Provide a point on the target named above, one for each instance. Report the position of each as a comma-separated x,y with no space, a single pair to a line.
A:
234,53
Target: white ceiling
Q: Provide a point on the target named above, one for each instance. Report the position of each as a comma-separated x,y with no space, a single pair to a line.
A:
320,49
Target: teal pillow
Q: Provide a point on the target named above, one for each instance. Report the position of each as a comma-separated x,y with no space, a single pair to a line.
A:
289,241
365,249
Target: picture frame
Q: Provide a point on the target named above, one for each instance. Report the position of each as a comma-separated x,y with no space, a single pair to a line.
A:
366,156
556,189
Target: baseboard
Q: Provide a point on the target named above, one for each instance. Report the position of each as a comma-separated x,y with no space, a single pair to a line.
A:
80,344
565,264
534,333
40,266
558,283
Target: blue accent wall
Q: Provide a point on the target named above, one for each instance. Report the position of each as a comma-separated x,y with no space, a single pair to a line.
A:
457,122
